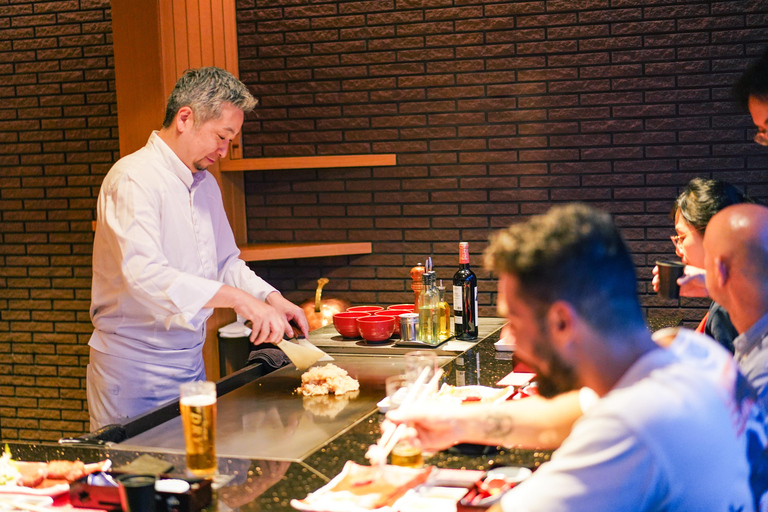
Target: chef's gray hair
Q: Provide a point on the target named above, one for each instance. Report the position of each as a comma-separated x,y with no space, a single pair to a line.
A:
205,91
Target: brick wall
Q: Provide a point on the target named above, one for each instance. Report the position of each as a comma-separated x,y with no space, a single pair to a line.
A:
58,137
496,110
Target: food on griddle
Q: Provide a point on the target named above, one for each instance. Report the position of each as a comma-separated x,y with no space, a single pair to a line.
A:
328,379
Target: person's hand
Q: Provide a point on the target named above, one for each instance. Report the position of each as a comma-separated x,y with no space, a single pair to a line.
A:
693,282
289,311
435,426
267,324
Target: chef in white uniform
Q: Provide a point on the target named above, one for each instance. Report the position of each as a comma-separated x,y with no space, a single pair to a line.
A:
164,256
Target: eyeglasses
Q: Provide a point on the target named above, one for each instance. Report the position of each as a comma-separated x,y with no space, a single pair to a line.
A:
678,239
761,138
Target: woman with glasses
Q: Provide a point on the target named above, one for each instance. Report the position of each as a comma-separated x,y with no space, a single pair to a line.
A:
699,202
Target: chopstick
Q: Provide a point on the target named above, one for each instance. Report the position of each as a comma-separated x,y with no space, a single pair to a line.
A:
418,392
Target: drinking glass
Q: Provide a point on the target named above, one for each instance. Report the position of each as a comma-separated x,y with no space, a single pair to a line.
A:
198,415
416,361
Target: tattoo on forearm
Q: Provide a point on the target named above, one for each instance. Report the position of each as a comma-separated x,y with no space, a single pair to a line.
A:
498,425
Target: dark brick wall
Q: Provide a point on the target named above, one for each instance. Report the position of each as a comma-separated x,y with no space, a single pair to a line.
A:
58,137
496,110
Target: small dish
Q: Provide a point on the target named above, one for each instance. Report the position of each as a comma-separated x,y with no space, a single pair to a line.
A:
495,484
394,314
405,308
365,309
346,323
376,328
513,474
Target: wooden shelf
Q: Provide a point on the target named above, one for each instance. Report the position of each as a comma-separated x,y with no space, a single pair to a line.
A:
288,251
306,162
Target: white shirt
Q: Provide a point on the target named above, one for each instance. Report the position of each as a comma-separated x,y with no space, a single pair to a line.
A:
671,435
163,248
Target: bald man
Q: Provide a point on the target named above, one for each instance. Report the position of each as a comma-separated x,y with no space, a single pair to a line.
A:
736,261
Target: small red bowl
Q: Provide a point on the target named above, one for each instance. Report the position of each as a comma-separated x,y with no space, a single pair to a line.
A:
405,308
394,314
376,328
366,309
346,323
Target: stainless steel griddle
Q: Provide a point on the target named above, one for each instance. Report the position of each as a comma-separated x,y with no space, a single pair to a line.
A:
265,419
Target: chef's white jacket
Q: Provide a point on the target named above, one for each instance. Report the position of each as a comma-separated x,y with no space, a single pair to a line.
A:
163,248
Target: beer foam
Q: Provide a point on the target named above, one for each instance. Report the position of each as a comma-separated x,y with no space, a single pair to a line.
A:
198,400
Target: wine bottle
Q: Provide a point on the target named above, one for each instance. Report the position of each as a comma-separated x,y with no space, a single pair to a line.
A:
465,297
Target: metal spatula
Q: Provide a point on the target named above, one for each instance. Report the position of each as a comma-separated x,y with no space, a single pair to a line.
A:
302,356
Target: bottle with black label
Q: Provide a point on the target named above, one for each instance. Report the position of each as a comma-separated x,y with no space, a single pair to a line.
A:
465,297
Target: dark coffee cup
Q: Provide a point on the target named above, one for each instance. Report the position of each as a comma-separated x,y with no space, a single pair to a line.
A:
137,492
669,273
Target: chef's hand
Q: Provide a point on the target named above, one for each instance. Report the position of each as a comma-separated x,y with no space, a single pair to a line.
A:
289,311
267,324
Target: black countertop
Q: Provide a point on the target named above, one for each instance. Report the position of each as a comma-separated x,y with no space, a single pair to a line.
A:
271,484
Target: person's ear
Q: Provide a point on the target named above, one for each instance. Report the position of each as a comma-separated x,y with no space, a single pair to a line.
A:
560,321
721,271
185,119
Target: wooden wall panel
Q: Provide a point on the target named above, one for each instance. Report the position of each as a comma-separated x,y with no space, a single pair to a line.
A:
155,41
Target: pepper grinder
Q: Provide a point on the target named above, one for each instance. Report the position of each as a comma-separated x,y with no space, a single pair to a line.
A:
416,286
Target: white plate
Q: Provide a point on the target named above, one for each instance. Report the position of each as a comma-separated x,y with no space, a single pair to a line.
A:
383,405
516,379
17,490
457,394
503,346
326,500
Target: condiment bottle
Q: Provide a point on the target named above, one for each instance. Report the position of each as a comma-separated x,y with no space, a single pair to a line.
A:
428,302
417,286
443,315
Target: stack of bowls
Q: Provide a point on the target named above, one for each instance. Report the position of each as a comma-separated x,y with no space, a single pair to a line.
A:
372,323
376,328
393,313
346,323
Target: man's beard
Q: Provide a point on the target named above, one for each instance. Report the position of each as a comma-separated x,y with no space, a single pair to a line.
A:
199,165
559,377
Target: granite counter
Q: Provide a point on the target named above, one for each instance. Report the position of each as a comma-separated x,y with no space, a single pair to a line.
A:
269,483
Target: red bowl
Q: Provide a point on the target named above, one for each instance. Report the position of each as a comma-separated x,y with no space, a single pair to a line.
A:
366,309
394,314
376,328
405,308
346,323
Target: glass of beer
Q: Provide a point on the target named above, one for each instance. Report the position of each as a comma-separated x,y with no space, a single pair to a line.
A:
407,455
198,415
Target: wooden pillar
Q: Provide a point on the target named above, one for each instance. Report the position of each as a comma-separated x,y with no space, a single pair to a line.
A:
154,42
